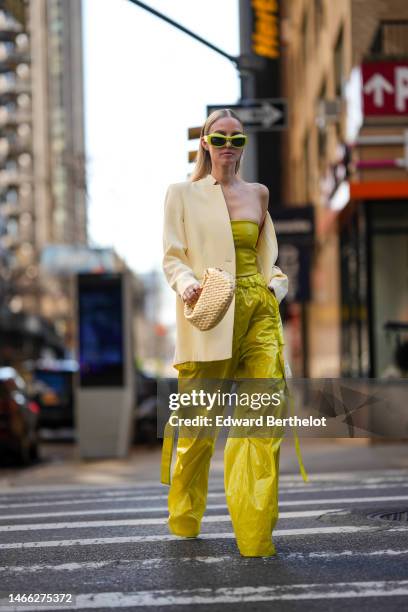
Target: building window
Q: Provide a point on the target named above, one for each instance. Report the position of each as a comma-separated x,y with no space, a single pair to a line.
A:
306,165
318,18
304,37
322,135
322,142
391,38
338,64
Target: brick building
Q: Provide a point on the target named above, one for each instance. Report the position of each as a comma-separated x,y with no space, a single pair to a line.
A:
324,46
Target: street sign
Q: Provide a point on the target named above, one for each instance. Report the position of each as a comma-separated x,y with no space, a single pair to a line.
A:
264,115
385,88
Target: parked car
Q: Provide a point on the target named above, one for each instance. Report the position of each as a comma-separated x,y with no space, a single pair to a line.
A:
19,419
52,387
146,409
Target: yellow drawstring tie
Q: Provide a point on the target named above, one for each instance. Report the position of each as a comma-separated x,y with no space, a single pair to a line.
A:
297,444
167,454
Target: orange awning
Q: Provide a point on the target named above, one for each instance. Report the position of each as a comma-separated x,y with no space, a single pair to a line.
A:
378,190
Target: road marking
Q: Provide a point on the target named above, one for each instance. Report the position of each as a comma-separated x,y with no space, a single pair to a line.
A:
10,489
360,476
342,500
297,502
204,536
125,493
218,518
137,564
346,553
358,487
285,592
357,475
159,562
113,497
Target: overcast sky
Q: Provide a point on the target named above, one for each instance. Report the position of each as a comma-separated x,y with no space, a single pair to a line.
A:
145,84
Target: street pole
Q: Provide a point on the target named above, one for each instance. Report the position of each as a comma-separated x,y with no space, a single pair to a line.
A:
149,9
247,64
249,160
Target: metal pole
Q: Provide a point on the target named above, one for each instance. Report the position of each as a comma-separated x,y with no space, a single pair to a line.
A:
249,166
144,6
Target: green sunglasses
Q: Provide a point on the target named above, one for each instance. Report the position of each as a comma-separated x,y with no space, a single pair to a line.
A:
220,140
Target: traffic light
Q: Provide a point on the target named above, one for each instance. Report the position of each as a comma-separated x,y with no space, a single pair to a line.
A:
193,134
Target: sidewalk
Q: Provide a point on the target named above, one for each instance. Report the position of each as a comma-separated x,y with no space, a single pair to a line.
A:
61,465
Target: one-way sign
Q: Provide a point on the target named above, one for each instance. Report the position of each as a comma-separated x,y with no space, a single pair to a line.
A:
264,115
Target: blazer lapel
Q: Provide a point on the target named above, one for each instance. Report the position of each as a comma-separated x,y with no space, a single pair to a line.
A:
218,217
267,248
216,201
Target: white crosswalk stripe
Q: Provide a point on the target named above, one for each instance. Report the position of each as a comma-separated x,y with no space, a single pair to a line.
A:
190,597
219,518
315,531
386,477
319,531
160,562
282,503
109,497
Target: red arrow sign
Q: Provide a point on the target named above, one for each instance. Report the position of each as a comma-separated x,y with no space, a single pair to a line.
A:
385,88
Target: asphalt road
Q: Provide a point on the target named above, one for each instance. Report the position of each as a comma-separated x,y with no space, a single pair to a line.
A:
110,548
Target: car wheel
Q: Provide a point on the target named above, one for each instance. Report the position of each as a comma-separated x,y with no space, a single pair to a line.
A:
34,452
23,453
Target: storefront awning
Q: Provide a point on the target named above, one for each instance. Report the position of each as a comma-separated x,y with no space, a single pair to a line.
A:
378,190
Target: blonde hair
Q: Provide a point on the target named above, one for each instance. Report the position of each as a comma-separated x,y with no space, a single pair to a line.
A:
203,161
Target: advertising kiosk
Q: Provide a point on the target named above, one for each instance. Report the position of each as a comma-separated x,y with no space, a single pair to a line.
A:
104,389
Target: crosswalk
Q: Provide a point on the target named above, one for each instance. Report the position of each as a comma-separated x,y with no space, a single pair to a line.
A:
109,547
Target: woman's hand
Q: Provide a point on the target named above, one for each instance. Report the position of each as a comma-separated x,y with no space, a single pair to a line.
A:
192,293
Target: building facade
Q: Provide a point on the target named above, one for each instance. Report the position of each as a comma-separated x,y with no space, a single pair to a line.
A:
57,90
55,30
326,45
42,155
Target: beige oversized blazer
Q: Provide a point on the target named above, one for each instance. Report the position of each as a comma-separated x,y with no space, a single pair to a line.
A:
197,234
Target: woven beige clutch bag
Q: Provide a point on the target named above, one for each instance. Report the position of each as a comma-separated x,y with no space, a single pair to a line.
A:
218,288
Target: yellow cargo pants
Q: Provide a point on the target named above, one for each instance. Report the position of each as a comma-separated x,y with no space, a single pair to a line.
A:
251,463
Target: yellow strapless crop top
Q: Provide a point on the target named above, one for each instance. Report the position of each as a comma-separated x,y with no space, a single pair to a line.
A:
245,235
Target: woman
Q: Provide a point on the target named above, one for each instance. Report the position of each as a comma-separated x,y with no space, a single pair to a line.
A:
217,219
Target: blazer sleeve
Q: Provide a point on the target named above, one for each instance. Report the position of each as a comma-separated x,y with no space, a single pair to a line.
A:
279,283
175,263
